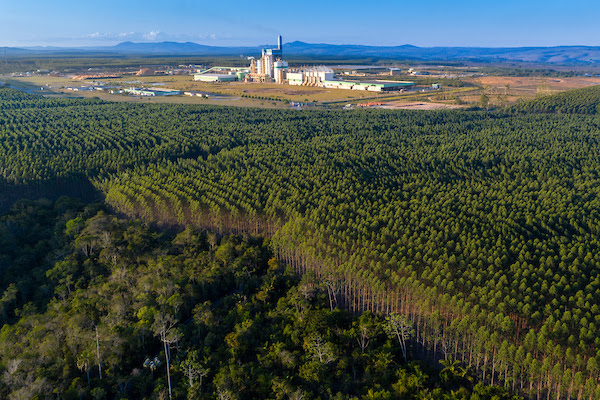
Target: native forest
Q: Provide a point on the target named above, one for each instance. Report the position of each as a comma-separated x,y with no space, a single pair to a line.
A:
164,251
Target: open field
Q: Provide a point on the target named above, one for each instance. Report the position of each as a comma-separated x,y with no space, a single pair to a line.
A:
270,90
235,93
501,91
232,94
54,86
239,89
507,90
531,86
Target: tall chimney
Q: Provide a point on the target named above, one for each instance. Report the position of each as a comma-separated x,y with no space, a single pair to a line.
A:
279,42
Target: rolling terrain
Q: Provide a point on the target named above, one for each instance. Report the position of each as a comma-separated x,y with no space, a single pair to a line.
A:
559,55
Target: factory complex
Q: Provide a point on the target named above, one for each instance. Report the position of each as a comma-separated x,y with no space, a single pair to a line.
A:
271,68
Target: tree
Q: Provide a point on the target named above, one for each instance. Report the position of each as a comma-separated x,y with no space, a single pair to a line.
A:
364,330
319,349
83,363
9,299
453,371
484,100
163,327
194,370
399,327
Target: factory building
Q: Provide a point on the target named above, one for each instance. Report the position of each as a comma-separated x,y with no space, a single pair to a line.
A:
152,92
313,76
270,67
215,77
375,86
295,78
280,67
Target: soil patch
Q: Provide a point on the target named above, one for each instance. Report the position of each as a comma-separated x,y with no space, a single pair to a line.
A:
420,106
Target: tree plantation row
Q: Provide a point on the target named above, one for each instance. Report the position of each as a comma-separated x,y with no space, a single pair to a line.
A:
480,228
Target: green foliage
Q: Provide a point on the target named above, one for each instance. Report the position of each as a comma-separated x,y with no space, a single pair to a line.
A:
535,72
167,318
480,228
580,101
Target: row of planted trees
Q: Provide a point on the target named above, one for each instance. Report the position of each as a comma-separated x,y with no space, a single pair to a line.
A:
446,326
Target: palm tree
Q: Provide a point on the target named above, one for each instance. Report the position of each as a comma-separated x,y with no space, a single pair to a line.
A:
454,372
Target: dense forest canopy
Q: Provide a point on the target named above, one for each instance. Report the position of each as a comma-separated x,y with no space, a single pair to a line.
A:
480,227
235,323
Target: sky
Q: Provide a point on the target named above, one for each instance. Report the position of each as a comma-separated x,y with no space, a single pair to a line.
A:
506,23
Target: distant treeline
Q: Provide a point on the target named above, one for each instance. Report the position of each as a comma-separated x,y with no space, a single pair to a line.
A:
83,62
525,72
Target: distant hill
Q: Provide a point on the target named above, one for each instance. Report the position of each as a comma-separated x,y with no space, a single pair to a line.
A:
560,55
546,55
170,48
11,51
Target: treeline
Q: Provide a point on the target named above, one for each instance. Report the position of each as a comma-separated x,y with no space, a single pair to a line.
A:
580,101
534,72
130,312
84,61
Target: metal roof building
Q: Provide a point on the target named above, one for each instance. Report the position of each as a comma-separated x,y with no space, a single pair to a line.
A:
373,86
215,77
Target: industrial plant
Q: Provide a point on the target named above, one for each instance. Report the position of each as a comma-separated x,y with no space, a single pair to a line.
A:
272,68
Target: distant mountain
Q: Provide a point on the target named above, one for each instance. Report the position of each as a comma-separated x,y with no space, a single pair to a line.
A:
546,55
9,51
566,55
166,48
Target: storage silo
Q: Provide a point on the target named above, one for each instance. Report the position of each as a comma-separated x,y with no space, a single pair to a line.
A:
281,68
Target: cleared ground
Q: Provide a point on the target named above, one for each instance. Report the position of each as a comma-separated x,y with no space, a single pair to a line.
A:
233,93
500,91
534,84
420,106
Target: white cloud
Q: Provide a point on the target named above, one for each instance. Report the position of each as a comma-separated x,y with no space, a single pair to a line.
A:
150,36
136,36
153,35
111,35
111,38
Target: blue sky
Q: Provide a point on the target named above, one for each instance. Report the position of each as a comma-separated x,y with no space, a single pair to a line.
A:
246,23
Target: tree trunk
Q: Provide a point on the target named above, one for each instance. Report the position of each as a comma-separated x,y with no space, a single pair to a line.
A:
98,352
168,367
